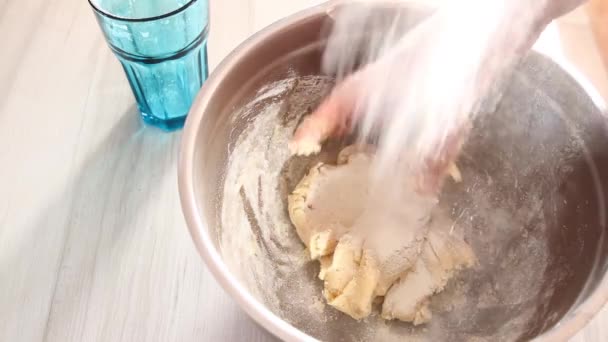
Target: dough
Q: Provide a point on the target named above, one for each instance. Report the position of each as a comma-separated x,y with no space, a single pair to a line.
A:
366,244
442,255
328,200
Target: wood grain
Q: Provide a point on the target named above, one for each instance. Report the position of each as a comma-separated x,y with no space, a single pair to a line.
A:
93,246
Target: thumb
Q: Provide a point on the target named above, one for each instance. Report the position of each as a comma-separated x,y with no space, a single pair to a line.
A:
332,118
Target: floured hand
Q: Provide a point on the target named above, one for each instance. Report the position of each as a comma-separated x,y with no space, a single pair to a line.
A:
445,64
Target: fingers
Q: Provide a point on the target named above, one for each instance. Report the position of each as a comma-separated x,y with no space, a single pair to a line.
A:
436,167
334,117
316,128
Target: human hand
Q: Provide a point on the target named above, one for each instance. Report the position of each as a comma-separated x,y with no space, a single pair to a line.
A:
430,80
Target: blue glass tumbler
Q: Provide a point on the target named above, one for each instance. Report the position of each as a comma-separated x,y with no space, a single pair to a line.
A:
162,46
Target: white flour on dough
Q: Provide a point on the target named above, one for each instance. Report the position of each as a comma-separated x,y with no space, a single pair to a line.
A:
369,248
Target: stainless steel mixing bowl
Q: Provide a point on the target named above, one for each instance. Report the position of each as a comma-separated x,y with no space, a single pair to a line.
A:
547,136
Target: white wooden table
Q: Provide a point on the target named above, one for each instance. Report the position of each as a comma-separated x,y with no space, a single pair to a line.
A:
93,246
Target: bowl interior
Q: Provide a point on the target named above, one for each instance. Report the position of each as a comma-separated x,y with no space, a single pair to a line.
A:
531,204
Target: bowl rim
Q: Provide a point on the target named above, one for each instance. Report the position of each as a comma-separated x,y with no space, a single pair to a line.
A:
578,317
567,327
195,219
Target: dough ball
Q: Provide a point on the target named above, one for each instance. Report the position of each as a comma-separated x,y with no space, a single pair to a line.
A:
372,245
442,255
328,200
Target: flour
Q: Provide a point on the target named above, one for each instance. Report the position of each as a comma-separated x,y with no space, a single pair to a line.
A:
424,81
254,224
274,89
502,208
